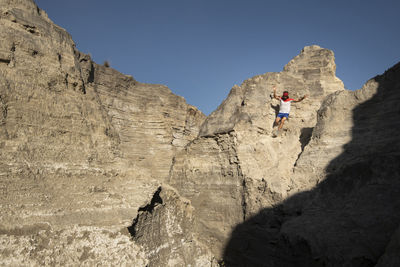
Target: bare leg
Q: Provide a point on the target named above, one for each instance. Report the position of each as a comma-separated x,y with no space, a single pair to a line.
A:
276,121
281,124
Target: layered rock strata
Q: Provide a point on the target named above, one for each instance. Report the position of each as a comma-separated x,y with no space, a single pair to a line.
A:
341,206
346,210
236,167
164,228
80,143
82,147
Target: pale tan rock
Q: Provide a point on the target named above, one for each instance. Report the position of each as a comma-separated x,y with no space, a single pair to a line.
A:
84,144
335,129
235,168
208,173
79,143
164,227
68,124
343,210
39,245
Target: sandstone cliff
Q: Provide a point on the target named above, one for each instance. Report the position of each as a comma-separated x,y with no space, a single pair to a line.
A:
83,148
236,167
349,214
164,227
80,143
340,204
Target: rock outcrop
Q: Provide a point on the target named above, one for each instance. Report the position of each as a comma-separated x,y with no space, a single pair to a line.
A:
83,147
80,143
236,167
164,228
346,210
332,201
40,245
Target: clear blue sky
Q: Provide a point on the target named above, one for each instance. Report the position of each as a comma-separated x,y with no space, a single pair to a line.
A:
201,48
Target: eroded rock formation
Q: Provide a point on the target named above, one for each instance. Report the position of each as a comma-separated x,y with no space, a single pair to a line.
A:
346,210
80,143
164,227
236,167
83,148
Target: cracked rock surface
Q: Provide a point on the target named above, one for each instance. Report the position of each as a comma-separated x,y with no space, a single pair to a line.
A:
80,143
164,228
236,167
85,149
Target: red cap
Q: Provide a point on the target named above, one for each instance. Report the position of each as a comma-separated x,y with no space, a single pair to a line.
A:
286,94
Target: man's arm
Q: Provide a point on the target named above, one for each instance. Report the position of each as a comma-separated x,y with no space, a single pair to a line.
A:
275,96
300,99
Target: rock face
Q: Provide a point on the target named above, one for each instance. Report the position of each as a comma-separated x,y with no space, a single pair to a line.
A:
315,196
347,210
164,228
391,256
80,143
39,245
82,147
236,167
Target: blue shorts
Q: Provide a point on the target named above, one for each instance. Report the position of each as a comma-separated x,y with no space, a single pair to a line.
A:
281,115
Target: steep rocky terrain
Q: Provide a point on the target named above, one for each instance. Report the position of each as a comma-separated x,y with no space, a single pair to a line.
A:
236,167
164,227
341,206
349,214
97,168
81,144
325,193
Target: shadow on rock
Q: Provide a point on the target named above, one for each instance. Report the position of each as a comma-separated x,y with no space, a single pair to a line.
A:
349,218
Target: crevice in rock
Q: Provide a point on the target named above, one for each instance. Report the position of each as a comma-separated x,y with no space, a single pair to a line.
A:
5,60
83,87
304,139
9,15
244,202
171,168
78,66
91,73
3,110
66,80
305,136
51,86
11,63
155,201
31,29
244,191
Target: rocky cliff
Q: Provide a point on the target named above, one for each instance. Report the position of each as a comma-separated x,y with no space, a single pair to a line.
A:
81,144
97,168
345,211
236,167
340,206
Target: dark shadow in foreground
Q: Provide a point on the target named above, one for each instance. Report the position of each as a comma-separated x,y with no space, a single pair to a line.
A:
350,217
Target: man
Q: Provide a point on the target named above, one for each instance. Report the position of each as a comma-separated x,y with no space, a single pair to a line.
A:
284,109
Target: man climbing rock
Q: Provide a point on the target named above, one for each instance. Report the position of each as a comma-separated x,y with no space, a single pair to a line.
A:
284,110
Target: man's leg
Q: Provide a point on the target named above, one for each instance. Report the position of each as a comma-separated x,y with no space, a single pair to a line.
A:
281,124
276,121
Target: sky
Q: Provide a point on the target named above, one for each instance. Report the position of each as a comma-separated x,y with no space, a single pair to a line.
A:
201,48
